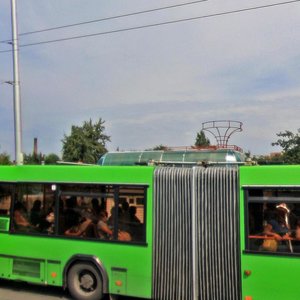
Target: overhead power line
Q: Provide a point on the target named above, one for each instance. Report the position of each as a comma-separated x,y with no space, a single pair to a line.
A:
156,24
107,18
113,17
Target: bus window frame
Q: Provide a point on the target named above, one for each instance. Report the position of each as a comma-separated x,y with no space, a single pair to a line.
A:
11,200
58,193
16,191
145,209
248,199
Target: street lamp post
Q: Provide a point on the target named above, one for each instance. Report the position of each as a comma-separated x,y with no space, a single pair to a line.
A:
16,86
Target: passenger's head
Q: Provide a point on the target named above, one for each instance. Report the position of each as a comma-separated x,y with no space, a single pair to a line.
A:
95,202
125,205
113,211
37,205
103,215
282,208
71,202
132,211
18,206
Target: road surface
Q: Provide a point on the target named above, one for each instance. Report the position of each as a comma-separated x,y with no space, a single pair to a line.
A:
11,290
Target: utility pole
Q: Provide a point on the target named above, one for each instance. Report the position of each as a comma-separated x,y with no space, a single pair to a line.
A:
16,86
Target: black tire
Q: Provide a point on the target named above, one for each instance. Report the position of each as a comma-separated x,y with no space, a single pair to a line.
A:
85,282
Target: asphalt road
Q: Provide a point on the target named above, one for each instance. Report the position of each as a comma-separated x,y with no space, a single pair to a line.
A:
10,290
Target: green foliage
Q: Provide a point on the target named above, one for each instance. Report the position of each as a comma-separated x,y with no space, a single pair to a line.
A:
273,159
86,143
202,140
32,159
290,143
51,159
248,154
161,147
5,159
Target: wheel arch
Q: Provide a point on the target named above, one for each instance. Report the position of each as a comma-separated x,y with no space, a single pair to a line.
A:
78,258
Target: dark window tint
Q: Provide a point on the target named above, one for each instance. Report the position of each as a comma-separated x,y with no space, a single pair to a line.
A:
132,217
5,199
34,209
103,212
82,206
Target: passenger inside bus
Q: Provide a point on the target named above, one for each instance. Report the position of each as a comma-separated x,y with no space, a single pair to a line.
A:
103,230
135,225
21,222
122,225
5,199
125,211
274,227
75,224
78,214
111,219
124,233
279,220
47,223
78,228
296,242
35,213
278,226
96,208
132,215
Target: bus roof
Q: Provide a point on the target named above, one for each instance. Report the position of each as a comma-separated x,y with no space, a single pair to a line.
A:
78,174
171,157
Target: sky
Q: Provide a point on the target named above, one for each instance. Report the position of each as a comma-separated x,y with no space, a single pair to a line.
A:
153,85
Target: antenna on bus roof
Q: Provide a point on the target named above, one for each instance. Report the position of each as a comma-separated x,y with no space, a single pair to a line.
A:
222,130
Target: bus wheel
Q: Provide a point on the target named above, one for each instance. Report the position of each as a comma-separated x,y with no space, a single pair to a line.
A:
84,282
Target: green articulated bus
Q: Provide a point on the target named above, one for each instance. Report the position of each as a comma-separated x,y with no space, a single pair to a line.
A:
216,232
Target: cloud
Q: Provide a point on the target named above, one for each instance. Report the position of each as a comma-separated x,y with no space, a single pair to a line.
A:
156,85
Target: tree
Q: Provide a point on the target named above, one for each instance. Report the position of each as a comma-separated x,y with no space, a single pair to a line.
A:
202,140
33,159
38,159
272,159
51,159
161,147
5,159
86,143
290,143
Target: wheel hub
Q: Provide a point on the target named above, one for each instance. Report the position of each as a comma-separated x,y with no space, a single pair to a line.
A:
87,282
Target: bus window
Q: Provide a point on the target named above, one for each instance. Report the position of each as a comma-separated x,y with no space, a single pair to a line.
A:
34,209
102,212
132,219
5,199
81,207
273,220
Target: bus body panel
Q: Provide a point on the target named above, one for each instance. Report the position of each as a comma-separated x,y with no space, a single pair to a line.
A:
42,259
129,266
268,276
